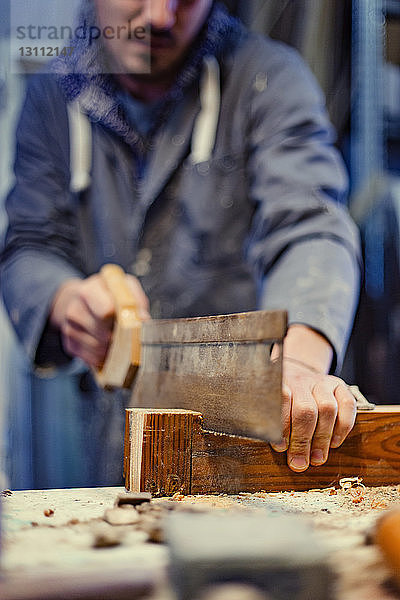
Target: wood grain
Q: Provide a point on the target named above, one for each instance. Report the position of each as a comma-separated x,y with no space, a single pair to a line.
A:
158,447
371,451
221,463
219,366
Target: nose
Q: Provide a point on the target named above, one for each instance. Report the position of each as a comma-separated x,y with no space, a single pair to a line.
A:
161,13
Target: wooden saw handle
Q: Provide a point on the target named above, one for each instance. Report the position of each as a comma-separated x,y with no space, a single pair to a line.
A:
123,356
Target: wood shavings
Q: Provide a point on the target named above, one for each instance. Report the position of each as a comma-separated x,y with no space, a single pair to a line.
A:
178,497
346,483
121,516
355,487
322,490
357,495
105,536
152,525
378,504
361,400
133,499
339,522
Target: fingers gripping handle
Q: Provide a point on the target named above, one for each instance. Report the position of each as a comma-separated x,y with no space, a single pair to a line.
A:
115,280
123,356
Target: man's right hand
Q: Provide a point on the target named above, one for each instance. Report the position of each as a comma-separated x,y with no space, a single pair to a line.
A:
83,310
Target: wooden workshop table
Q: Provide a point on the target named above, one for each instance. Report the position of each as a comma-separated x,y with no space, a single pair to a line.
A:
41,551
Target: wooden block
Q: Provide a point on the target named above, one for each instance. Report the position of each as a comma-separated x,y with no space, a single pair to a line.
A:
158,447
371,451
170,450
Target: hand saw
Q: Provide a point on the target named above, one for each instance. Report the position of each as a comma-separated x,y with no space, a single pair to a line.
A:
217,365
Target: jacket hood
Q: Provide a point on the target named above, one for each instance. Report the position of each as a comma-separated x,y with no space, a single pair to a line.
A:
84,76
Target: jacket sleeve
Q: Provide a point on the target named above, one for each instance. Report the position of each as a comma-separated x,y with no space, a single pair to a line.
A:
303,244
39,251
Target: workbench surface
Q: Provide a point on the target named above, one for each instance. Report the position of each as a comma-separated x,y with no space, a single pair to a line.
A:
49,535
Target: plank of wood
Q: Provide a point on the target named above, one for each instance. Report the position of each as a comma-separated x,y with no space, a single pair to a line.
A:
371,451
221,463
219,366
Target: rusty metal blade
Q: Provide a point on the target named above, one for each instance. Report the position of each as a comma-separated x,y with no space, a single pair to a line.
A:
219,366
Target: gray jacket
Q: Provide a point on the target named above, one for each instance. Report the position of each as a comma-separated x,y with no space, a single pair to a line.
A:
252,217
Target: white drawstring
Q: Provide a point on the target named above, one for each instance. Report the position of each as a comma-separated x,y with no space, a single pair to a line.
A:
203,138
205,128
80,140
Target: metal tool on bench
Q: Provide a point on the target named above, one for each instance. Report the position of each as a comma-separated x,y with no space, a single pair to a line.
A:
277,555
219,365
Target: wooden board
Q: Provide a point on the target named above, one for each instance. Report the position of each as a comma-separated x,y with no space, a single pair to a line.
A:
221,463
219,366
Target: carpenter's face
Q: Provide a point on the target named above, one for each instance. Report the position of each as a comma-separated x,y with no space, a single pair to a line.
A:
149,36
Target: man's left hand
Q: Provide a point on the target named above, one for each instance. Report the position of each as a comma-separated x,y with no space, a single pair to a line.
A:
318,410
318,413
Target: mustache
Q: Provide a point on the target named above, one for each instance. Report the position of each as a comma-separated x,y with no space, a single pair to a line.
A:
160,34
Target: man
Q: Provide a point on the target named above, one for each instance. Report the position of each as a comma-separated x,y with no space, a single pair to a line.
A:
213,179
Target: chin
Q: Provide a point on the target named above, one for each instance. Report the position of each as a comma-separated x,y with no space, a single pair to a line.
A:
139,68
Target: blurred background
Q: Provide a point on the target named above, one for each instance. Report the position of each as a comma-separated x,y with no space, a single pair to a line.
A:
353,47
